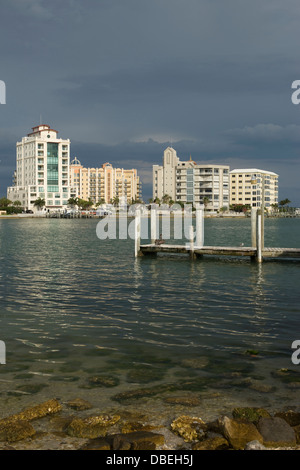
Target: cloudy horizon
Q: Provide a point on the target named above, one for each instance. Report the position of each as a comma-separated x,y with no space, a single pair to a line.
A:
123,80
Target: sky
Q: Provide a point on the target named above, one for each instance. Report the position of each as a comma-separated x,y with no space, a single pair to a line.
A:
124,79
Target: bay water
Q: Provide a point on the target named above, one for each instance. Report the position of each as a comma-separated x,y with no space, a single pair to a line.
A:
82,318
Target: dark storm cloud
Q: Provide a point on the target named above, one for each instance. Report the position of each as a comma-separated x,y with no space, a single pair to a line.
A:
123,80
218,75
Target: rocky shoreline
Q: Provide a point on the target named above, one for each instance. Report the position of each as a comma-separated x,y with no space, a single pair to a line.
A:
55,425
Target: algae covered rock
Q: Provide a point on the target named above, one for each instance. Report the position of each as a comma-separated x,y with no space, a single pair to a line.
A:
103,381
239,433
139,440
213,443
183,400
12,431
79,404
39,411
96,444
91,427
195,362
290,416
250,414
189,428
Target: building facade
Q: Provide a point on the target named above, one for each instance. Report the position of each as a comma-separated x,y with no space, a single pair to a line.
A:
42,169
104,184
189,182
247,185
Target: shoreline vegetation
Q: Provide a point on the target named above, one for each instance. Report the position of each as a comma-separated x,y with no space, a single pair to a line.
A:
84,215
72,425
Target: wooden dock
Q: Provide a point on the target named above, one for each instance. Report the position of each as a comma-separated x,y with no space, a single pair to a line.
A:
195,247
197,252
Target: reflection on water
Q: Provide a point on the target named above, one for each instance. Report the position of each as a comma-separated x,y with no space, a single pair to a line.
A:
73,306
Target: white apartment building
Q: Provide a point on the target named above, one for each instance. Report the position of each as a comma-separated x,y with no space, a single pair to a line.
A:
189,182
42,169
244,191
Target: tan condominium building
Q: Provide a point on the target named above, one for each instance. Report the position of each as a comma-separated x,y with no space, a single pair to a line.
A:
248,185
104,184
189,182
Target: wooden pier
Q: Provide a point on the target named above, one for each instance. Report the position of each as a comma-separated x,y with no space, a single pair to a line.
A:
198,252
195,247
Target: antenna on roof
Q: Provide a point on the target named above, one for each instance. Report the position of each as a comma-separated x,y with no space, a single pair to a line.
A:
40,119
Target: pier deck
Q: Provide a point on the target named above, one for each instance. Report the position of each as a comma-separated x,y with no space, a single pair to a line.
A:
219,251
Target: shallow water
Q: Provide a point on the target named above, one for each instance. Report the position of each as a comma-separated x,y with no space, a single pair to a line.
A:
73,307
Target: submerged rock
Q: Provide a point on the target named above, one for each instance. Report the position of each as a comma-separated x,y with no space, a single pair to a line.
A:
195,362
213,443
103,381
184,400
39,411
12,431
145,374
287,376
96,444
91,427
140,440
79,404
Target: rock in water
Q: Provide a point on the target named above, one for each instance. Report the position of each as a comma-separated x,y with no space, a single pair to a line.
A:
276,432
239,433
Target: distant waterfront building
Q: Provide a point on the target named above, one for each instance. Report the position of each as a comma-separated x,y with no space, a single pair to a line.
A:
105,183
42,169
243,192
189,182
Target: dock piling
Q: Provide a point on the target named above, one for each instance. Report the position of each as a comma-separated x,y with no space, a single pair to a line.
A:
199,227
137,234
153,226
253,227
259,237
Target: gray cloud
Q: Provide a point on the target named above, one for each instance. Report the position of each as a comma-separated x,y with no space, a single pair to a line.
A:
124,79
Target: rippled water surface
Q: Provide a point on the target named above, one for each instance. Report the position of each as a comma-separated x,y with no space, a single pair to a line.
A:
81,317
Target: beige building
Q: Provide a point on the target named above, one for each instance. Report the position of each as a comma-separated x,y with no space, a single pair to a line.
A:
243,191
104,184
189,182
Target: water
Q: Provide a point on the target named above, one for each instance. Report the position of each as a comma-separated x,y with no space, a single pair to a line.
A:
82,317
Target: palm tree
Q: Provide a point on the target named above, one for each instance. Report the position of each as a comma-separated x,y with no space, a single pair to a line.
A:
284,202
39,203
100,202
73,201
4,202
206,201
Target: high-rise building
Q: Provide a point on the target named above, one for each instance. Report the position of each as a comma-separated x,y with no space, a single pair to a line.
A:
244,191
189,182
42,169
106,183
